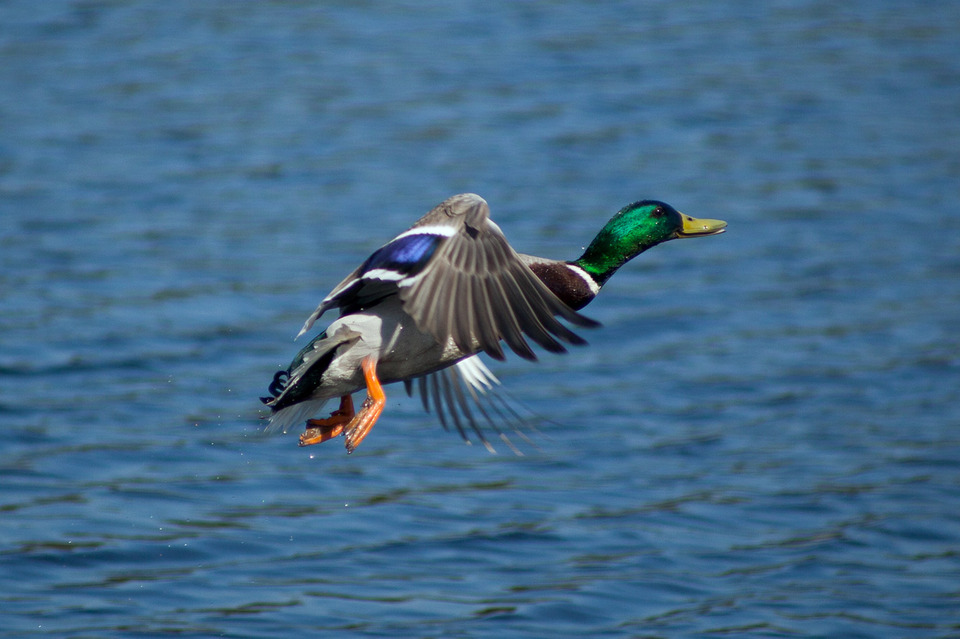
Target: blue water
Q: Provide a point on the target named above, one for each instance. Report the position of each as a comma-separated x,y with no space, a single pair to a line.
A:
763,440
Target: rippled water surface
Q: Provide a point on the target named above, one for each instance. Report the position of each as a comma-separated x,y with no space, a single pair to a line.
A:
762,440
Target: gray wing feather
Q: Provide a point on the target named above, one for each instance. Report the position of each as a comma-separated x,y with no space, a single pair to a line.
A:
328,302
477,291
464,397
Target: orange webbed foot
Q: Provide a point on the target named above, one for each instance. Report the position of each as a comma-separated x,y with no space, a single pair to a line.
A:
321,430
360,426
355,426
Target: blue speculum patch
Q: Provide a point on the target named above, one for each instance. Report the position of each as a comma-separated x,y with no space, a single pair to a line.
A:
406,255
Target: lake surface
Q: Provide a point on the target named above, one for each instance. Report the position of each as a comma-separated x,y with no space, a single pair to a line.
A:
763,439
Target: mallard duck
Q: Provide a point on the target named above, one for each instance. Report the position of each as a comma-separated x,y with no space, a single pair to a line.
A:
423,306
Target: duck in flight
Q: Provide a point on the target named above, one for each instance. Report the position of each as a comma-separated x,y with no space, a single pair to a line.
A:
424,305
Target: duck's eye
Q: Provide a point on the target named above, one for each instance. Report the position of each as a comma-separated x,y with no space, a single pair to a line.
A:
658,212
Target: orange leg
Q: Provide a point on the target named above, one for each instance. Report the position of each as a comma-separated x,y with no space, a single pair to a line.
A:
359,427
320,430
344,420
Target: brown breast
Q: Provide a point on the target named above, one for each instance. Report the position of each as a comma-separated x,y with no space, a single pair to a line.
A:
564,283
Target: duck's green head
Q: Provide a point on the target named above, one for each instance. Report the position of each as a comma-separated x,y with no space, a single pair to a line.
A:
634,229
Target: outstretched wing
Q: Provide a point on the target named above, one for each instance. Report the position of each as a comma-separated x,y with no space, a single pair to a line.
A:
464,396
459,279
403,257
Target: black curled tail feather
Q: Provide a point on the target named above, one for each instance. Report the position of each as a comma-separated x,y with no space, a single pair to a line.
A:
277,386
